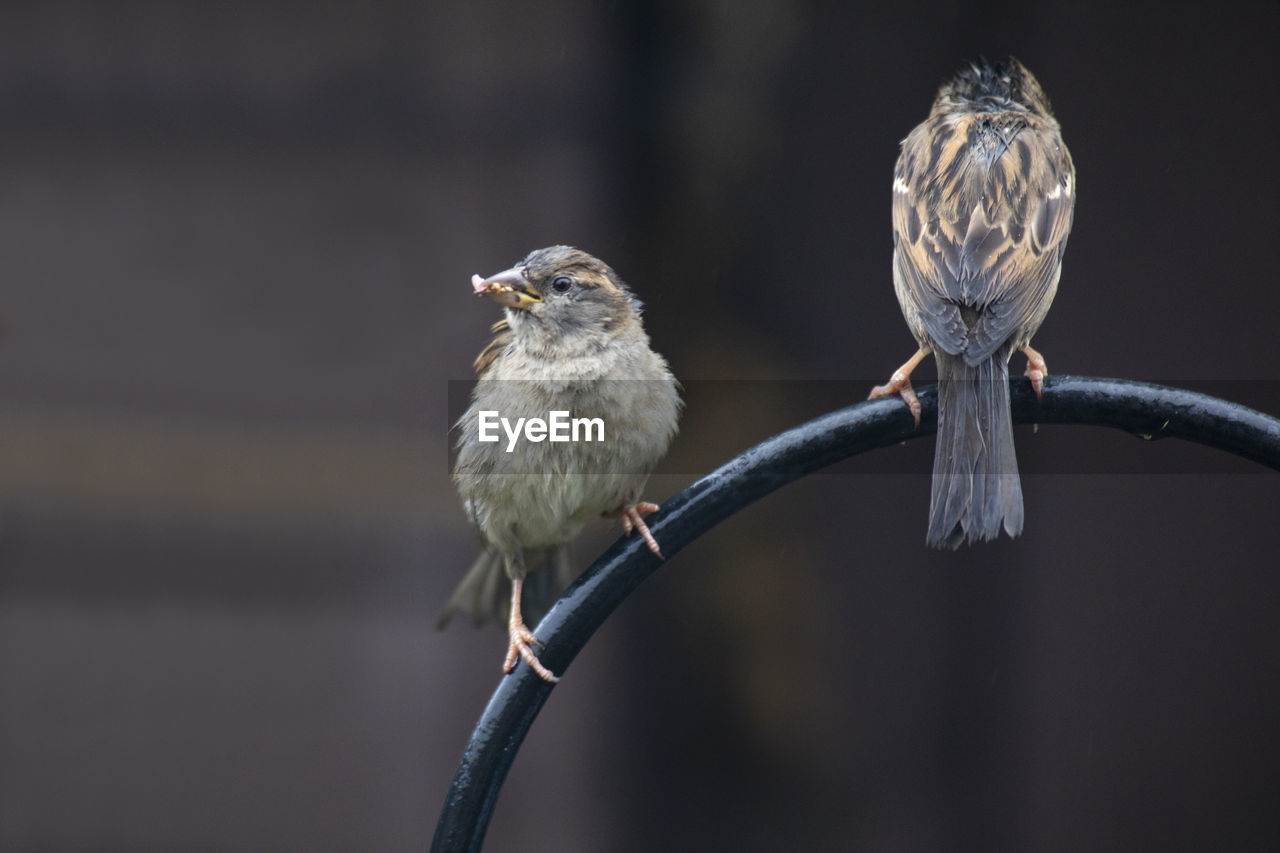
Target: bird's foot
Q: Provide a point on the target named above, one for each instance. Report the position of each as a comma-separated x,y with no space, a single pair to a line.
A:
521,644
520,639
632,516
1036,370
900,383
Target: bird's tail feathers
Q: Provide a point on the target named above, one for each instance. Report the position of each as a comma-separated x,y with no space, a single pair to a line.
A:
485,590
976,489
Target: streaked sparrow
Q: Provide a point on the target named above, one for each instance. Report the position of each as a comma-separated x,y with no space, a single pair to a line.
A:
983,194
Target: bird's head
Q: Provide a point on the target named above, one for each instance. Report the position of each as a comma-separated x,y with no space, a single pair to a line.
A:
561,291
993,87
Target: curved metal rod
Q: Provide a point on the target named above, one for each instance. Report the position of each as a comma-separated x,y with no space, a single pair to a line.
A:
1151,411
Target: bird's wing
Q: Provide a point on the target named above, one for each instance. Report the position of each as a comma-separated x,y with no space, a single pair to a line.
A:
980,220
502,336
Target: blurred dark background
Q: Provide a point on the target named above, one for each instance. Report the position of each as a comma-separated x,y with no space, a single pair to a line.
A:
236,243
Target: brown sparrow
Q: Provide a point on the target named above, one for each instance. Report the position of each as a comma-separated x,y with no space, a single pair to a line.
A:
571,352
983,194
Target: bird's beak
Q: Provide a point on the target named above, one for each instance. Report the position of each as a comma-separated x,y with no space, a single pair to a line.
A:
509,289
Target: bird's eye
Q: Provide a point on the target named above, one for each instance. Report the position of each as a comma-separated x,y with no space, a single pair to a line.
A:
562,284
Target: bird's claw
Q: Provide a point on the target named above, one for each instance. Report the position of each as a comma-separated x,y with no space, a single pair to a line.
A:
1036,371
521,644
900,384
520,639
632,516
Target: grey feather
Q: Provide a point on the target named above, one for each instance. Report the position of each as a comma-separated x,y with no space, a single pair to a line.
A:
976,490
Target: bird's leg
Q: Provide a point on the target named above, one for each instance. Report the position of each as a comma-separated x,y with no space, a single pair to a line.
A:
1037,370
632,516
900,383
520,638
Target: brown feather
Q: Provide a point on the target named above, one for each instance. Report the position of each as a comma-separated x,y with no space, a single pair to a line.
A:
982,205
502,336
985,228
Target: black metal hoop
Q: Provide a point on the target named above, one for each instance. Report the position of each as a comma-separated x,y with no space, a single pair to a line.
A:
1151,411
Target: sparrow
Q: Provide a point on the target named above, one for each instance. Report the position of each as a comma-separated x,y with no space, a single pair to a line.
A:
983,198
571,340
